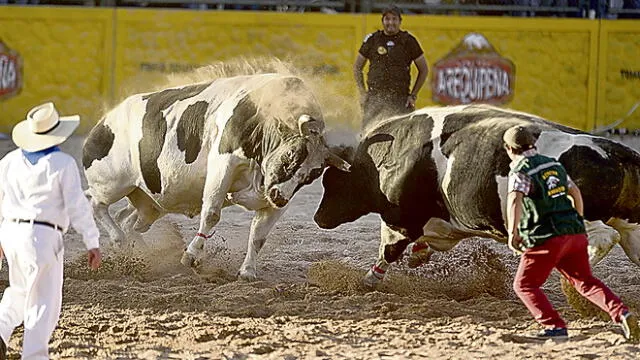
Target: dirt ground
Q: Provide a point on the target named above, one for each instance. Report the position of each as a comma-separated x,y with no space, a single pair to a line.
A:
308,302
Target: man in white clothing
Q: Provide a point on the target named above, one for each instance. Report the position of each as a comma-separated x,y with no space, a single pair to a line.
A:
41,196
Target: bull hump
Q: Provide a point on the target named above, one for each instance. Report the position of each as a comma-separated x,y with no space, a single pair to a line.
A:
154,130
190,129
98,144
242,131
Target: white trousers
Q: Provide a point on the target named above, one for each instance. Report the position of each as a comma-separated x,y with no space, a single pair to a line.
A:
35,256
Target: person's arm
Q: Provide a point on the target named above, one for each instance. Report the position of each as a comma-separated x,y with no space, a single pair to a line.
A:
423,71
3,170
80,213
358,66
514,212
575,193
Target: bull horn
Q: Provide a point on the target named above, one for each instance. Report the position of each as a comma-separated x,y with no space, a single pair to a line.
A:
309,126
337,162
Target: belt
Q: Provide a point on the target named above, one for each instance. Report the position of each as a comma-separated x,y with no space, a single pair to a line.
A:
37,222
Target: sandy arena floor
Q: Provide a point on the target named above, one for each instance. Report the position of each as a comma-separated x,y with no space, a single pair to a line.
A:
308,302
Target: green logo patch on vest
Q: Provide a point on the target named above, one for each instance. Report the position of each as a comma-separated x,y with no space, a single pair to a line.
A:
553,184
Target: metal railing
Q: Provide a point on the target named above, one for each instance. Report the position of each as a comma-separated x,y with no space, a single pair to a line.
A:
617,9
575,8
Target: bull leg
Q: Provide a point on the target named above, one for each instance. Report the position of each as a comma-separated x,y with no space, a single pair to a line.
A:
262,223
602,238
147,210
629,238
220,174
438,235
420,254
441,235
392,245
101,211
122,214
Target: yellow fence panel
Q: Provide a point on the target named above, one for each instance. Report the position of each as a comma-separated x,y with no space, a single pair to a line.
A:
66,58
555,60
619,74
581,73
153,43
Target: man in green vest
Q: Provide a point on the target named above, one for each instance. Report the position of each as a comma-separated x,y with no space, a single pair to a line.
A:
547,228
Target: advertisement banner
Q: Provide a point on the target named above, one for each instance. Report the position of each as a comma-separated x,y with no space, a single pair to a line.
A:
55,54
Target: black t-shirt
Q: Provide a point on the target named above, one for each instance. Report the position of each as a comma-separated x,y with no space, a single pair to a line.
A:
390,58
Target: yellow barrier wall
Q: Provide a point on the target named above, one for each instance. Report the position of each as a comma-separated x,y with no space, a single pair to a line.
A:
151,43
555,60
66,59
83,59
619,73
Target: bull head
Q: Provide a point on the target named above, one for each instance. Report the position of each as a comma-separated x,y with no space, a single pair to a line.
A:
309,126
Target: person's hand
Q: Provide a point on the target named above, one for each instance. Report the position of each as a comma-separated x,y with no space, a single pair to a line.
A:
411,102
515,242
95,258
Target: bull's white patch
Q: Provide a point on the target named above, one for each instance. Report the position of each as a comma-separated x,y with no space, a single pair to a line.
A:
439,160
503,188
446,179
556,143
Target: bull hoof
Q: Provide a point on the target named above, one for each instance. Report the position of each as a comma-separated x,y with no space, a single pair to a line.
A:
370,281
247,275
419,258
141,226
188,260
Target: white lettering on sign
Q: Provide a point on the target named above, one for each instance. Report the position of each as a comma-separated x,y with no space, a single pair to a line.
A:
8,75
471,83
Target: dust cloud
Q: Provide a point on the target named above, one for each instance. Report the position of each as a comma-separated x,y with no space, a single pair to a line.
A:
339,110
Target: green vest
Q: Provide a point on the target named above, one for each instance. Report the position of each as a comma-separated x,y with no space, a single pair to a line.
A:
547,210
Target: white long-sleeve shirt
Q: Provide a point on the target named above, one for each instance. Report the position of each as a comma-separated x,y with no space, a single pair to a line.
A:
49,190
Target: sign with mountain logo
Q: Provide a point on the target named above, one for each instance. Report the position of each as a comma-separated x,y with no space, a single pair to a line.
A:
473,72
10,72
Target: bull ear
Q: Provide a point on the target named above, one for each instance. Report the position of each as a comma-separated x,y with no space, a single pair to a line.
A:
309,126
337,162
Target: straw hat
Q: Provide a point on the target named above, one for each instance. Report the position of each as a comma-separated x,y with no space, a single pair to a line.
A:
44,128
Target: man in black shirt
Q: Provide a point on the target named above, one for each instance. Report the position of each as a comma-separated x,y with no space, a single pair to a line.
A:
390,53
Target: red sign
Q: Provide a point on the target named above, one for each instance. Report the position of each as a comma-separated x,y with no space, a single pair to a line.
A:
10,72
473,73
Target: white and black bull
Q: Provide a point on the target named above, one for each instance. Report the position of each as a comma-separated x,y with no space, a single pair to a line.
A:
439,175
251,141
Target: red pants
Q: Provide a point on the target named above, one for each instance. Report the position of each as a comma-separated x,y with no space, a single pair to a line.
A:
568,254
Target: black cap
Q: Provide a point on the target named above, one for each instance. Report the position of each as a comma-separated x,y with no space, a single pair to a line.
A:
392,9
